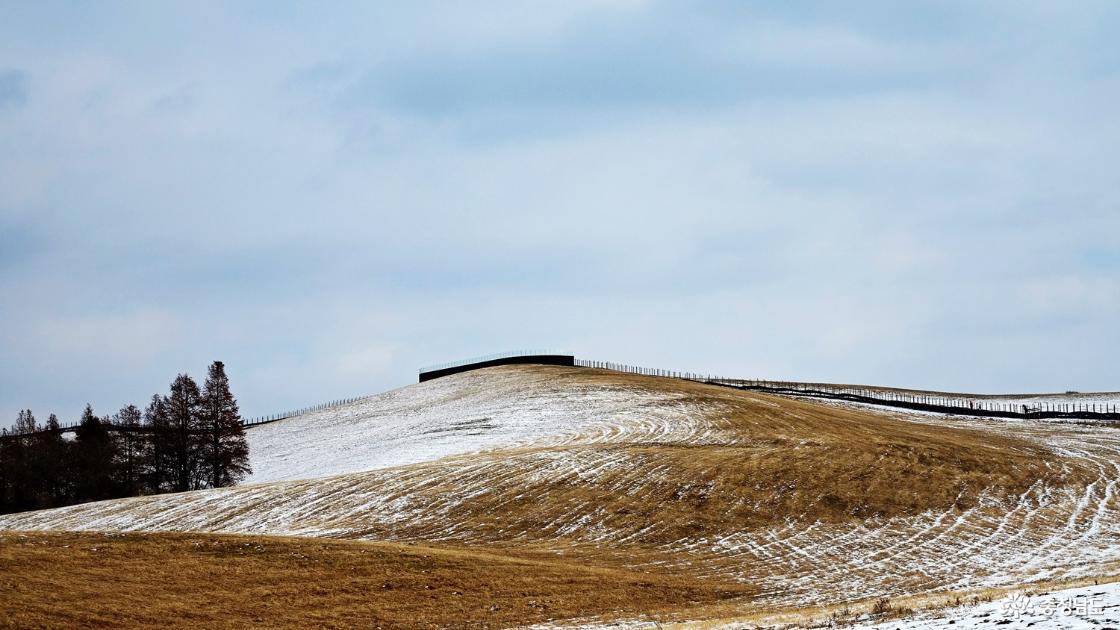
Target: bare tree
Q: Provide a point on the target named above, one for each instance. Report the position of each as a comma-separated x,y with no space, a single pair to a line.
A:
225,451
184,405
131,441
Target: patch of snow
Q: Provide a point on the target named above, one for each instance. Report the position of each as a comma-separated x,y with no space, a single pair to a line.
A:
1082,608
460,414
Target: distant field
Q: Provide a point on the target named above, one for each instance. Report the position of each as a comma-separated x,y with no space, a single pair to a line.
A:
210,581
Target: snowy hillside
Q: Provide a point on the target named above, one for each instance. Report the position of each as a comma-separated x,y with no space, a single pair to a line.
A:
475,411
458,414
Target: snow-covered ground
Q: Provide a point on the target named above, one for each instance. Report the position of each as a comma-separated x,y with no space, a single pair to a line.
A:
475,411
1071,398
1080,608
1083,608
459,414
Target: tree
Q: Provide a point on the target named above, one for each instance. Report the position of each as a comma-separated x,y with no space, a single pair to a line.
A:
131,440
95,455
25,485
224,449
50,460
183,407
25,423
5,472
158,469
187,440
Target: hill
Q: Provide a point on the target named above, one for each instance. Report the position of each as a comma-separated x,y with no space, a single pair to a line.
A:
804,504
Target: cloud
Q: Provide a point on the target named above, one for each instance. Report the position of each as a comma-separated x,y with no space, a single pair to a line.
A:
911,197
13,88
631,64
181,99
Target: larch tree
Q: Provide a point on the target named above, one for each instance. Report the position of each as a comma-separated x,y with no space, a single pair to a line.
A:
25,423
189,439
96,456
225,451
26,483
158,469
128,421
184,406
51,464
5,475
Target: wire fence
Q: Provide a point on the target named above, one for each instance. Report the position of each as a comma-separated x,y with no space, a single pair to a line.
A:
245,422
250,422
920,401
956,404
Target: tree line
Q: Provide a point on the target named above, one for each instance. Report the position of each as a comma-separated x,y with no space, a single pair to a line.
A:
189,439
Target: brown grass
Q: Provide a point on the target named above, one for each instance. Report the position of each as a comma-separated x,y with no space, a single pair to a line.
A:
92,580
771,459
554,532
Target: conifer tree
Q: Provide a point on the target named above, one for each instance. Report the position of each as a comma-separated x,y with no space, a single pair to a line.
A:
25,484
25,423
50,455
183,410
225,451
95,455
131,442
5,472
192,439
158,468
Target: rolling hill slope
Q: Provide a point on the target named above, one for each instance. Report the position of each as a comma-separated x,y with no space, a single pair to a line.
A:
468,412
809,504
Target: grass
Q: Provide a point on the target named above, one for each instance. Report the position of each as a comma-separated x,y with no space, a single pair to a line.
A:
770,459
541,532
93,580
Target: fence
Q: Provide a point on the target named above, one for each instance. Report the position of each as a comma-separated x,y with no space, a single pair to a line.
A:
938,403
919,401
245,422
633,369
956,404
520,357
252,422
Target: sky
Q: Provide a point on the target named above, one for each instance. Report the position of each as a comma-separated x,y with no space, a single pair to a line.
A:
328,197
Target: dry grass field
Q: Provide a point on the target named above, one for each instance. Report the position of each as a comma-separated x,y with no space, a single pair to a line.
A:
93,580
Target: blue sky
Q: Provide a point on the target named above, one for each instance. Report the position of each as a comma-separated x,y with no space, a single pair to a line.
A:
915,194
